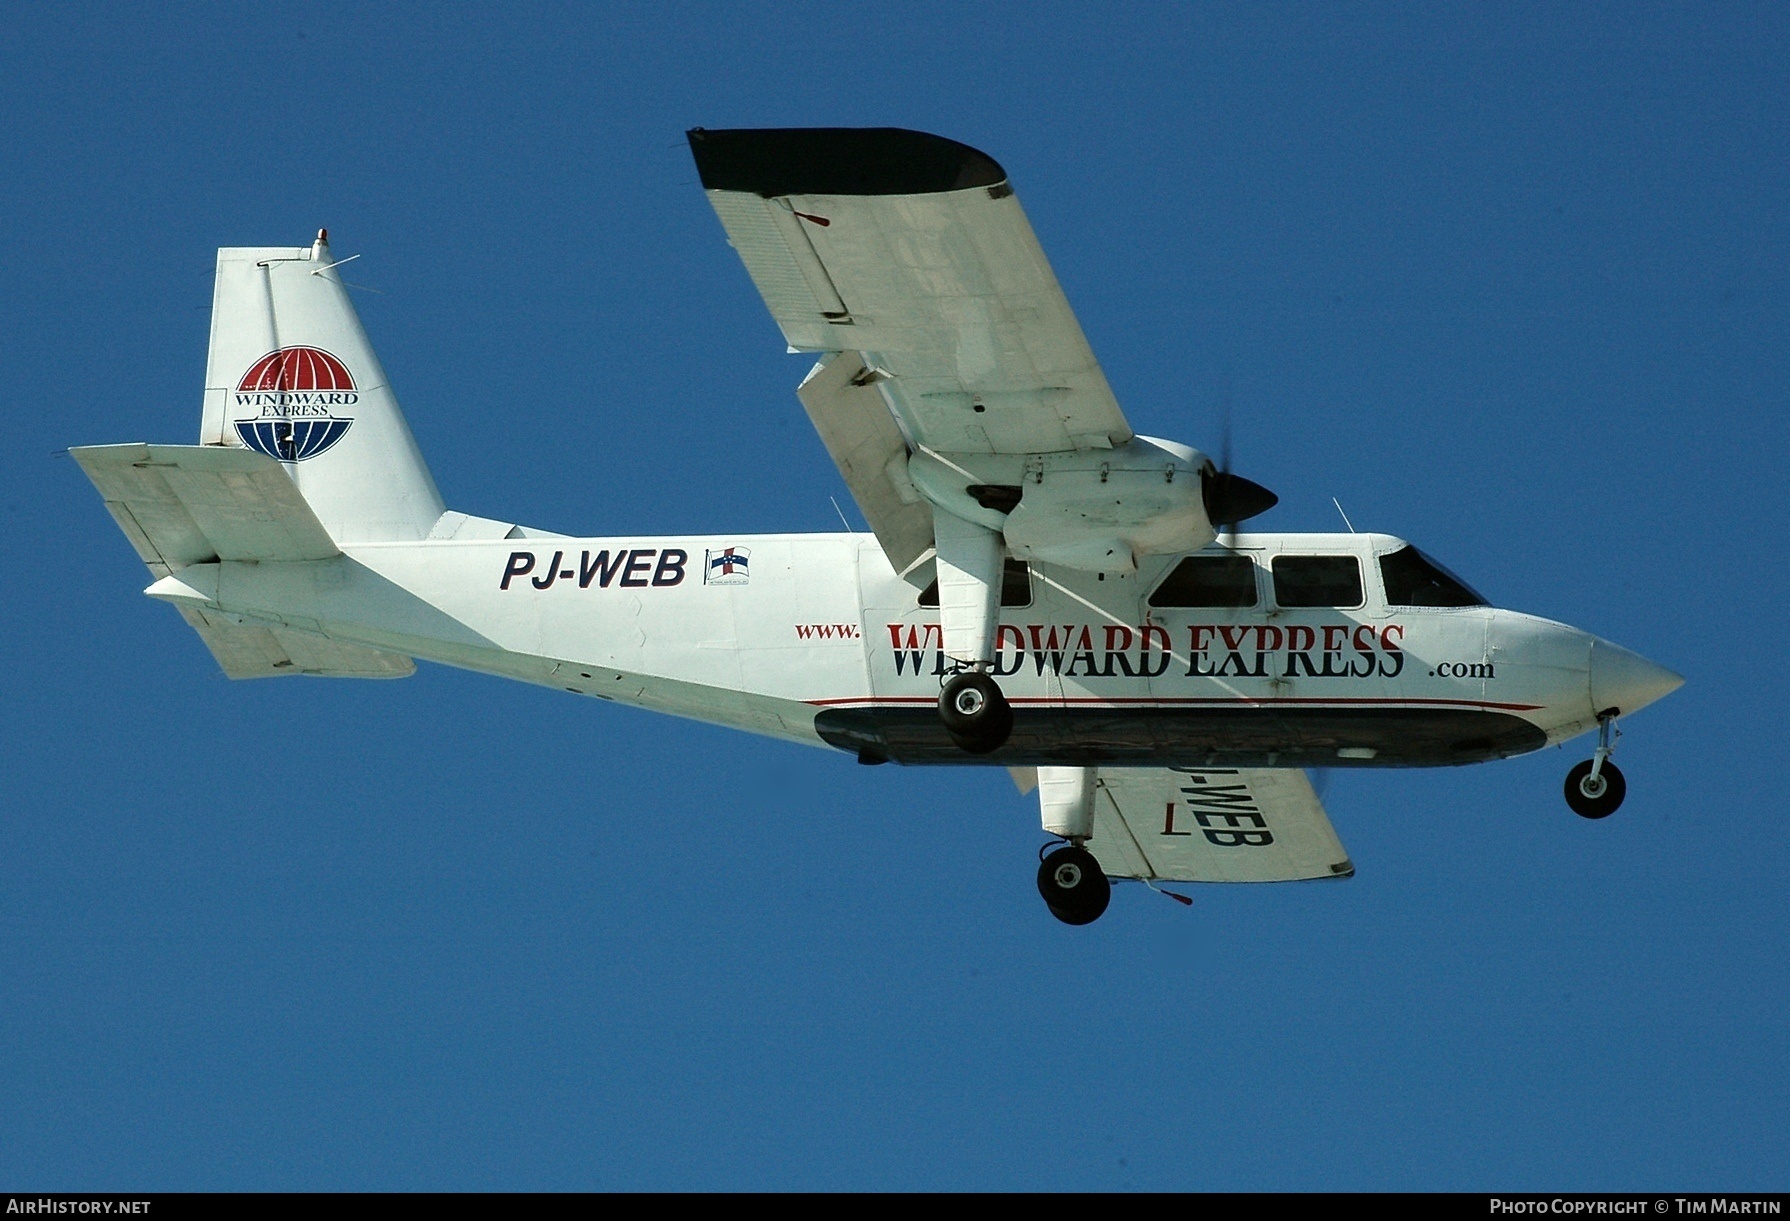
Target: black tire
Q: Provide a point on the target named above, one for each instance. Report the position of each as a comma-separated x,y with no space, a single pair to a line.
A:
1073,886
1598,804
975,713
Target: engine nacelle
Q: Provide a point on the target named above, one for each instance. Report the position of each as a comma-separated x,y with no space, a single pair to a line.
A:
1095,510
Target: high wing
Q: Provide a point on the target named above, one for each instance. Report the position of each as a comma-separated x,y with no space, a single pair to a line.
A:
1213,825
911,252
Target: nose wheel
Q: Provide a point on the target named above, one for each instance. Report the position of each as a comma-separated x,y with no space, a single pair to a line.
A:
1595,796
975,713
1595,788
1073,886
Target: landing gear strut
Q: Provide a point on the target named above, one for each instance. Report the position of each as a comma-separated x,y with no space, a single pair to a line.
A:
976,714
969,558
1595,788
1073,886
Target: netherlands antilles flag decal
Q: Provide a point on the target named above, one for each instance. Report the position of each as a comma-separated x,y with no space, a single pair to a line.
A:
293,404
729,567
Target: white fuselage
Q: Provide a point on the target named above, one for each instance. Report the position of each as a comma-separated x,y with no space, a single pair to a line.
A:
814,638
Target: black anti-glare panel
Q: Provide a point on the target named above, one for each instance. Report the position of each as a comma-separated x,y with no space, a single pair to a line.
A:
773,161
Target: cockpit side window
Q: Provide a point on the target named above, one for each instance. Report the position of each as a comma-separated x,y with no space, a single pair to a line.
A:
1208,580
1016,586
1413,579
1317,580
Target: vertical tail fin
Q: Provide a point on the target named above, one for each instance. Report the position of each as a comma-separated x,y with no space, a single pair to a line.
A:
291,374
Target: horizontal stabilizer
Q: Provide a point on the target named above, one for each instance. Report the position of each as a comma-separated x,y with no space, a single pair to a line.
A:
261,652
182,505
1213,825
195,504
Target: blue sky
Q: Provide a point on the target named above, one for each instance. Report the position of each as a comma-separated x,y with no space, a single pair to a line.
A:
1506,280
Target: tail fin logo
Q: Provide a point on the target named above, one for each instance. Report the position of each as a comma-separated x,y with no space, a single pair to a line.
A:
294,403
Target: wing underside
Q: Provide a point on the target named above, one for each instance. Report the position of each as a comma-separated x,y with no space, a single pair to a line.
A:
1213,825
912,251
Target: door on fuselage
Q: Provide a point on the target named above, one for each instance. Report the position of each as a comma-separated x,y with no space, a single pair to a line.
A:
1330,662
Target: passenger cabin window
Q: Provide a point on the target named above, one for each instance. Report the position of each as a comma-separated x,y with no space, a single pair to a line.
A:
1413,579
1016,586
1317,580
1208,580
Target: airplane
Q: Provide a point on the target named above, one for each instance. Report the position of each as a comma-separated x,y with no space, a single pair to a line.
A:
1042,588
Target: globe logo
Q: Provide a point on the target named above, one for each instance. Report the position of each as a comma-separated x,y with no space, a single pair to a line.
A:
292,404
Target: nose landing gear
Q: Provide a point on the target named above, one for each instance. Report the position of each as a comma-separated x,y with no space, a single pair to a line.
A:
1595,788
1073,886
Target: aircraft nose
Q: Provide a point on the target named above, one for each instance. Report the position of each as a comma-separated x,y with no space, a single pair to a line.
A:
1627,681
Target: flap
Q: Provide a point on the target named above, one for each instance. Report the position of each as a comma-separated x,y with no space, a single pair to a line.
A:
192,504
853,420
1213,825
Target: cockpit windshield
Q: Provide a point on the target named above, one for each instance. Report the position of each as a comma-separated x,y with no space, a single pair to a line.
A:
1413,579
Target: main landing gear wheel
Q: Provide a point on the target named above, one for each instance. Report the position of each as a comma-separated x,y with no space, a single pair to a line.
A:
976,714
1074,888
1595,796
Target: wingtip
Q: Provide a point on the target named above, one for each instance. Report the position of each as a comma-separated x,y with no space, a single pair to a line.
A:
778,161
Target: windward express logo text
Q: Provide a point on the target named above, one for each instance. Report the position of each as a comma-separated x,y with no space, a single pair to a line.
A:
1205,650
294,403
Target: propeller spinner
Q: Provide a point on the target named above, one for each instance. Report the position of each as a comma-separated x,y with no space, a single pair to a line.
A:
1230,498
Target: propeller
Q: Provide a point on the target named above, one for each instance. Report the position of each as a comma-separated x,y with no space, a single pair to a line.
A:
1230,498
